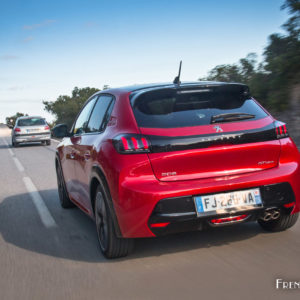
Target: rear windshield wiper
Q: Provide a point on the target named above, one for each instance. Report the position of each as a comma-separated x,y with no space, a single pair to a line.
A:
230,117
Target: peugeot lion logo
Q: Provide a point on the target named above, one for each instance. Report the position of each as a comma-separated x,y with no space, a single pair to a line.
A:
218,129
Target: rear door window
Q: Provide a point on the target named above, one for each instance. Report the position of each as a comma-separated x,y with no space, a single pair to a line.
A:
171,108
98,114
83,118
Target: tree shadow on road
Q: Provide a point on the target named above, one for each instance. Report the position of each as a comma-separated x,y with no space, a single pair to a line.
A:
75,238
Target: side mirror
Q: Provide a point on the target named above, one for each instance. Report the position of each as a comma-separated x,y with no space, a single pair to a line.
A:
60,131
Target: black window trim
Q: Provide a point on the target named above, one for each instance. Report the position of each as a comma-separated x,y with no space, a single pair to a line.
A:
108,113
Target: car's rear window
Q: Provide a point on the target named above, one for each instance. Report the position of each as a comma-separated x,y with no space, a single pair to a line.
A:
170,108
31,122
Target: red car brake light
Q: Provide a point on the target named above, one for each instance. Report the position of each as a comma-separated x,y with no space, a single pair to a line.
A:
17,129
131,143
47,128
281,130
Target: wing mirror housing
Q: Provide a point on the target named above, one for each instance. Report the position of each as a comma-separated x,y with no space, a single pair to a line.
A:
60,131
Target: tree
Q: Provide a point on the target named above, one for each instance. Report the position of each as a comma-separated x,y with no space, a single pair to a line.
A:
293,23
65,108
270,81
282,58
239,72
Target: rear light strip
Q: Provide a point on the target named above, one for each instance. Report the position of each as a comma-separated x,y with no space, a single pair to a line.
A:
17,129
229,219
281,130
135,143
131,143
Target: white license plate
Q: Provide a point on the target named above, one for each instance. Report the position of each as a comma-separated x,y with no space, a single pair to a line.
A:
224,202
32,130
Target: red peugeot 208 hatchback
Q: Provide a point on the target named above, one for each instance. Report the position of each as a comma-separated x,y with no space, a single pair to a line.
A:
150,160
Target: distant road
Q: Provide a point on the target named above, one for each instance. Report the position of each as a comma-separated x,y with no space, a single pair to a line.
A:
50,253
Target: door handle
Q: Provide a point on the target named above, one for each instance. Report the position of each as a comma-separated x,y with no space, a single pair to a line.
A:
87,155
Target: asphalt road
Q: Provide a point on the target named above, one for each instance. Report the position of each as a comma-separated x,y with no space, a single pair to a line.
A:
47,252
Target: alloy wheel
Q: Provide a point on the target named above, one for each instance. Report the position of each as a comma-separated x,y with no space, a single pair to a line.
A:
101,221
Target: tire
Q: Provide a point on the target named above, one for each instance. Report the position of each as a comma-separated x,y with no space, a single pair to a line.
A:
48,143
284,222
111,246
14,144
64,199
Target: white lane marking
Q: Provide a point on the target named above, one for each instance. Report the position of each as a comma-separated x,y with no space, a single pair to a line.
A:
16,161
9,150
39,203
18,164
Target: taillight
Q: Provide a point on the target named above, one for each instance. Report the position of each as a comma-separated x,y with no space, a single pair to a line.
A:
17,129
47,128
131,143
281,130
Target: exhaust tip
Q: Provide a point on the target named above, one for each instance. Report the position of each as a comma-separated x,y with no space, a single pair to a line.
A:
271,215
267,216
275,214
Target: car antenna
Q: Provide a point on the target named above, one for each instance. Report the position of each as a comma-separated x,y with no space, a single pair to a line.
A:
177,78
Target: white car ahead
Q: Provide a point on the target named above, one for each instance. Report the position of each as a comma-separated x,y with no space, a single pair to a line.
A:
30,129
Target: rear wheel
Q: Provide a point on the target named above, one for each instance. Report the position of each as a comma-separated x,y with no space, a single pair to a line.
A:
48,143
111,246
64,199
14,144
284,222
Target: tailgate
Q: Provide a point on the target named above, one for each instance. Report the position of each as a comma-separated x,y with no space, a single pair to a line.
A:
211,155
206,132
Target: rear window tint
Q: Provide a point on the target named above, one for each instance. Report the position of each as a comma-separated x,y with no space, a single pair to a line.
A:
31,122
169,108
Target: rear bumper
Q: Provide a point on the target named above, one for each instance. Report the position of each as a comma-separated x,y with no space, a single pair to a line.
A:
32,138
138,197
180,213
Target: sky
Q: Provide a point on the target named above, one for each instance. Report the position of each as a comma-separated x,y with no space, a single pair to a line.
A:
49,47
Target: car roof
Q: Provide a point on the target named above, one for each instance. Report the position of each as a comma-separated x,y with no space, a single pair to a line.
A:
29,117
139,87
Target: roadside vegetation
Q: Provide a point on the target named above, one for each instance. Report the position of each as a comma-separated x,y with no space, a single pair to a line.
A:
271,80
65,108
11,121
